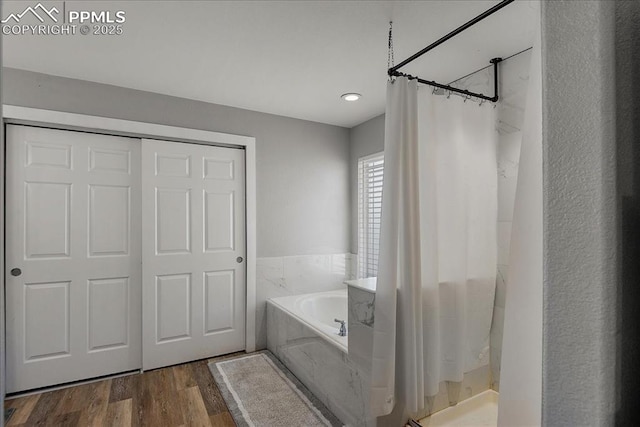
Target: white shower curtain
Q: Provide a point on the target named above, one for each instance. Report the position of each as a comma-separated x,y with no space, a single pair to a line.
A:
436,274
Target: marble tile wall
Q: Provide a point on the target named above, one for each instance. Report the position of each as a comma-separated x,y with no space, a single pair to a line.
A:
514,77
295,275
511,112
508,157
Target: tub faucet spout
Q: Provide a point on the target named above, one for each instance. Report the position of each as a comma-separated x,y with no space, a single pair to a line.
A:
343,328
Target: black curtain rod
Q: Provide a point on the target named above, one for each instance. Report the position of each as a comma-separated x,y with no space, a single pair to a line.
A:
393,71
453,33
494,98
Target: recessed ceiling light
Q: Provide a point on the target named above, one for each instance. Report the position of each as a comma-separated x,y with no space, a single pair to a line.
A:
351,97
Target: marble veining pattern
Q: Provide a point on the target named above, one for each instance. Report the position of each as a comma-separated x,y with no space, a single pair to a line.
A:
361,305
329,373
362,309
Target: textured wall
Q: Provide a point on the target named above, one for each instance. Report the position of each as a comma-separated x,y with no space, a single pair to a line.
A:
302,167
580,275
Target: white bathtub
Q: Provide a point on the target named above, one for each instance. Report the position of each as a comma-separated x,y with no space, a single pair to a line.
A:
318,311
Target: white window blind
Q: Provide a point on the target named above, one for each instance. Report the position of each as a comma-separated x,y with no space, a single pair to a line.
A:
370,174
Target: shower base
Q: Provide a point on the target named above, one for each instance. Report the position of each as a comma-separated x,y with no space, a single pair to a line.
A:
479,410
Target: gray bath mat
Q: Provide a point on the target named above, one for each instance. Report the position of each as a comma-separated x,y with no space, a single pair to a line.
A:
261,392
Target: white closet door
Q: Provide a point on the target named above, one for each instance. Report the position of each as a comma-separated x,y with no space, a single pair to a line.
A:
193,233
73,282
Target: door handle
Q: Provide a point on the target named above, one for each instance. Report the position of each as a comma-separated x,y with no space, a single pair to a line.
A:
16,272
239,259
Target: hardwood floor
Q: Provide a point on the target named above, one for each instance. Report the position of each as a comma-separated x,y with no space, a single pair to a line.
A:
181,395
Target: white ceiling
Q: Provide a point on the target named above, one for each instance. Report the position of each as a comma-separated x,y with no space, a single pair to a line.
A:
291,58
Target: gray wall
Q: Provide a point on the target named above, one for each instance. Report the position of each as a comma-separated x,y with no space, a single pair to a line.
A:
302,167
579,311
366,138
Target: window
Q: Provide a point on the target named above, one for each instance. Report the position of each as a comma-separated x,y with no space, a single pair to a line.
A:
370,172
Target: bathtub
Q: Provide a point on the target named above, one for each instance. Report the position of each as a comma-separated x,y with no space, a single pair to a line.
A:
303,336
318,311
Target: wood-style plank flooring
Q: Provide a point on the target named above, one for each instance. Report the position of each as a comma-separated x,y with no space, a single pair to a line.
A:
181,395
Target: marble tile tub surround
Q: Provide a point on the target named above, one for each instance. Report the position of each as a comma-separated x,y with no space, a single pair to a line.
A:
296,275
361,304
328,372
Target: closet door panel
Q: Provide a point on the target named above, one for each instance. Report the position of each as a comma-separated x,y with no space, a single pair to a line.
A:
73,283
193,252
